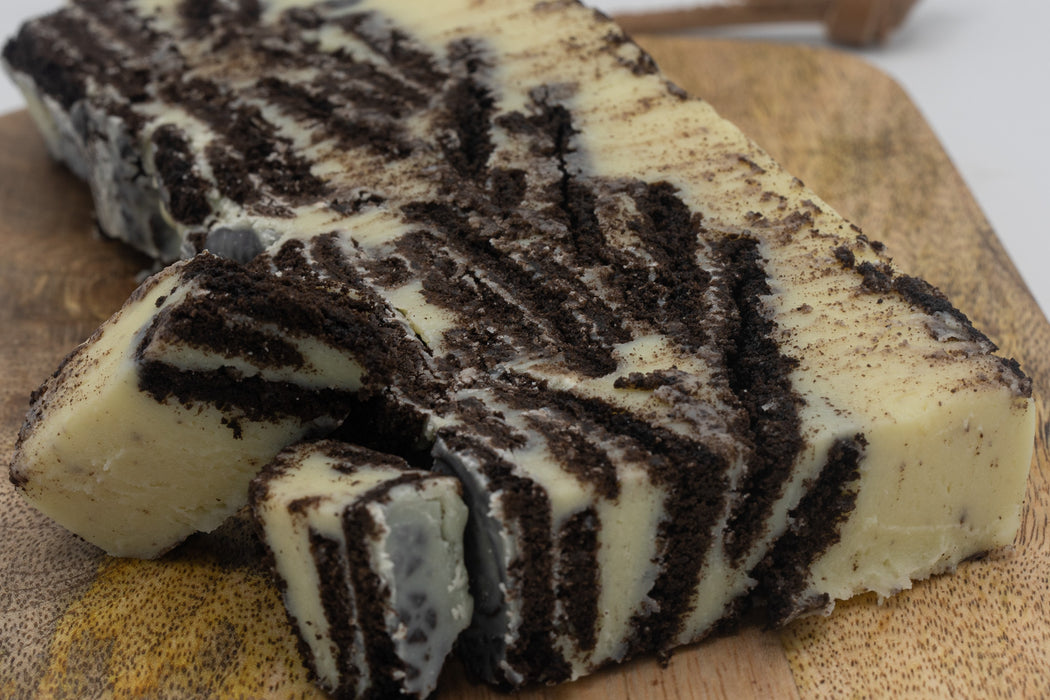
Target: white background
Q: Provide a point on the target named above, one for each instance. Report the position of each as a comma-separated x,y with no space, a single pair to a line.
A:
979,70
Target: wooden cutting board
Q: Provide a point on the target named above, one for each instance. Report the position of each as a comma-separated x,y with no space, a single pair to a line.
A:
206,621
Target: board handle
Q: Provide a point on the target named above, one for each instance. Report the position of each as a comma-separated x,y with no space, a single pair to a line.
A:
848,22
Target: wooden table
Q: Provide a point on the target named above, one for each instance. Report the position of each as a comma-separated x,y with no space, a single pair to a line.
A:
206,621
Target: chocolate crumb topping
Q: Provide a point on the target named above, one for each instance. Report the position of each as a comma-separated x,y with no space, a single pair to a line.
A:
882,279
931,300
362,200
640,64
1024,382
878,278
845,256
647,381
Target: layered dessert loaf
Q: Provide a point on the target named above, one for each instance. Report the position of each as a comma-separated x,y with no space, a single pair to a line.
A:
666,374
369,556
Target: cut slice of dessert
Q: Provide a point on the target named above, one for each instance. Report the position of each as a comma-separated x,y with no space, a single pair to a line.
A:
153,427
663,369
369,555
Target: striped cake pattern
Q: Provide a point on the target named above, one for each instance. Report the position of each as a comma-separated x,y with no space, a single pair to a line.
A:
357,540
591,351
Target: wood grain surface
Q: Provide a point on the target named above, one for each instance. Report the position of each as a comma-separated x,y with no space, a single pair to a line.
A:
206,621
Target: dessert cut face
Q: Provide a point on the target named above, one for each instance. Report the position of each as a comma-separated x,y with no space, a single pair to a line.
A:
492,237
369,554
